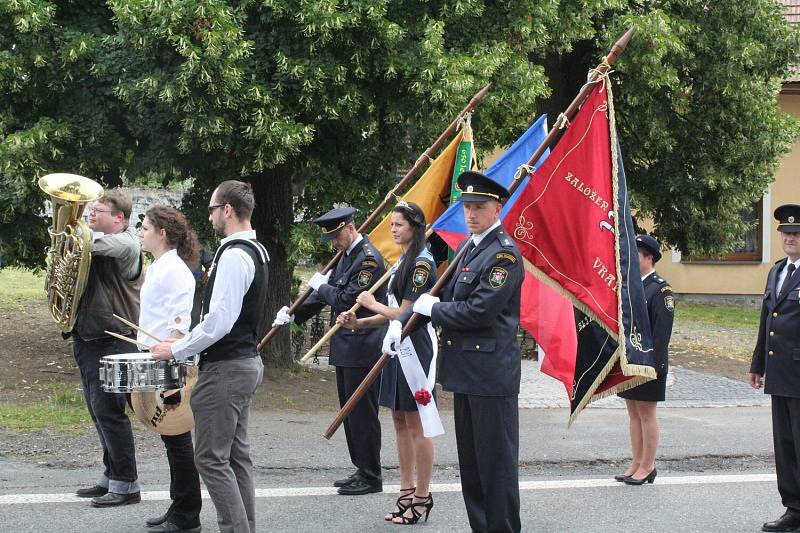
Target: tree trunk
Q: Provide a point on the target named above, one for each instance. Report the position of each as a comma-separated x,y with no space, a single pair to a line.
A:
272,219
567,73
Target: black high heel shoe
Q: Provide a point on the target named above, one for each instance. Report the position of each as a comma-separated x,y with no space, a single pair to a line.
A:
403,503
620,477
426,503
649,479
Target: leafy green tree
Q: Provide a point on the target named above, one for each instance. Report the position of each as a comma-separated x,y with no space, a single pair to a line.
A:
696,108
318,102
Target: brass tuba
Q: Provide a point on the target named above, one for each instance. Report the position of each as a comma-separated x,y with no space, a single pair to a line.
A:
70,251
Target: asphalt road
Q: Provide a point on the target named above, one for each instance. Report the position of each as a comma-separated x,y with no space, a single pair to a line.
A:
715,474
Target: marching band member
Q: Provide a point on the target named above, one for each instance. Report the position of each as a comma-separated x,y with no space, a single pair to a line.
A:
166,306
230,367
353,353
412,276
112,288
479,316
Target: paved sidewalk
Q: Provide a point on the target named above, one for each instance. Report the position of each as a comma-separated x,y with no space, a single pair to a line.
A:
685,388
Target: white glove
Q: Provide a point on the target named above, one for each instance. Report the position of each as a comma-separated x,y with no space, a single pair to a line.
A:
424,304
391,342
283,317
318,279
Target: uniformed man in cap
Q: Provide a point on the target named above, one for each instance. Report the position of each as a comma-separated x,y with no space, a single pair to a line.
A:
352,352
480,357
776,365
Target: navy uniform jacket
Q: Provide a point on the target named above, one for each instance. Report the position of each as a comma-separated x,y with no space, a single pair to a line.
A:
352,275
661,311
479,317
777,352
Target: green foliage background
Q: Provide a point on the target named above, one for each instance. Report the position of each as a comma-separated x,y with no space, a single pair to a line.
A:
322,101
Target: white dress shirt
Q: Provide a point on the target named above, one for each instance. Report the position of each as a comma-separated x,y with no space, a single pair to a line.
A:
480,236
167,296
235,271
353,244
648,274
782,275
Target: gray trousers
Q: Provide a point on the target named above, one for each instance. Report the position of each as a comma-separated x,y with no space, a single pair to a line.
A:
221,407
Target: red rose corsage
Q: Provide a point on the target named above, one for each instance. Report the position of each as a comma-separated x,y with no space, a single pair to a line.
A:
422,397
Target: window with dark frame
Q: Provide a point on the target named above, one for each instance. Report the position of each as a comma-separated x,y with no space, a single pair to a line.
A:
751,248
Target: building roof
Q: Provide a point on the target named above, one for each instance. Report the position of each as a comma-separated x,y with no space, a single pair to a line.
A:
791,12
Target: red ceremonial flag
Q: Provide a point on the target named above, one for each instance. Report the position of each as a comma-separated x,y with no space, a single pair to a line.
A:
573,189
572,224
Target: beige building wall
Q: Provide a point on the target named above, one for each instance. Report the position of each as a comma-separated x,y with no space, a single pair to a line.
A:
722,277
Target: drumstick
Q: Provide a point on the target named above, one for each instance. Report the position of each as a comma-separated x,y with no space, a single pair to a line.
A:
137,328
126,339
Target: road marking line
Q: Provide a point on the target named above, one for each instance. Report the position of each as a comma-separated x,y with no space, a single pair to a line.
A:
289,492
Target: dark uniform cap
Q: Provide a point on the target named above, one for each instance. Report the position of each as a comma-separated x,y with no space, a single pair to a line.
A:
650,244
334,221
476,187
788,217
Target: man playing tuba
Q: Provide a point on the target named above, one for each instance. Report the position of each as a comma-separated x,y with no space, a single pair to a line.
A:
112,287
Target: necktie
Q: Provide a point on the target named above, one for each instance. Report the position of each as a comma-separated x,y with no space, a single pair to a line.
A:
789,272
465,258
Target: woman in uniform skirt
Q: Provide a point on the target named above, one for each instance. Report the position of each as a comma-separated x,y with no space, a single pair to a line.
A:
641,401
167,297
413,275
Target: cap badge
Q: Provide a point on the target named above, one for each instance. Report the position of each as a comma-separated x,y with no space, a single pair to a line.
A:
470,188
791,219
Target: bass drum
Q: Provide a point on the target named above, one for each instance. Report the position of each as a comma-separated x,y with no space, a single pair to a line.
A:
167,412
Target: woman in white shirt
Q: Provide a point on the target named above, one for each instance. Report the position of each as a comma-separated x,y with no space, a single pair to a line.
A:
166,306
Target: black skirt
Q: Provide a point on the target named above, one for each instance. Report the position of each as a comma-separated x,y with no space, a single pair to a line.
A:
652,391
395,392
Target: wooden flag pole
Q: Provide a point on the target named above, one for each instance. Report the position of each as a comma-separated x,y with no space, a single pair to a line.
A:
390,197
411,324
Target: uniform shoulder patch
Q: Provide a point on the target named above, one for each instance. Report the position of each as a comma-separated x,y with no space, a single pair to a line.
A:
497,277
420,276
369,263
364,277
507,256
422,263
669,303
666,288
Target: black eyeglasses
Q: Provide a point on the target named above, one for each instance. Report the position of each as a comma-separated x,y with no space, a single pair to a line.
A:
211,208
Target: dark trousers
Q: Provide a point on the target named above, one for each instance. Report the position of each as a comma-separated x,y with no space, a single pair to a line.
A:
361,427
487,436
184,481
786,439
108,413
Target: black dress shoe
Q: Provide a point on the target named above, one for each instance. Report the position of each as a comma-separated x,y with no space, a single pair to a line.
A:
169,527
346,481
630,480
620,477
92,492
113,499
157,521
790,521
361,486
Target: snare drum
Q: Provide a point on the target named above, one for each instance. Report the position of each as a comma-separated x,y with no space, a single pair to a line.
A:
128,372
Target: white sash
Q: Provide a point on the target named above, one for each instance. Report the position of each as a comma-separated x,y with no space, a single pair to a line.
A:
416,377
